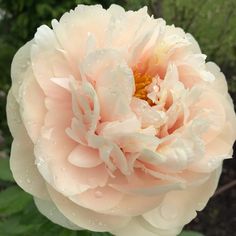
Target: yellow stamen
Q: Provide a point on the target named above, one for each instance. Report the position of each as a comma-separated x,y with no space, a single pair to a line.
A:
141,83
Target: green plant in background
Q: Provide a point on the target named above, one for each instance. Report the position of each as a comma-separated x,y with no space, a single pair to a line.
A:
212,22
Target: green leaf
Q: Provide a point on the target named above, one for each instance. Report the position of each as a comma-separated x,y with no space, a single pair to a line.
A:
13,200
190,233
5,173
66,232
12,226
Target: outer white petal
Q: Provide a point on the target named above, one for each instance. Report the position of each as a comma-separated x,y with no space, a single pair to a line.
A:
32,106
22,161
48,208
27,92
219,83
19,68
13,117
85,218
179,207
194,44
140,227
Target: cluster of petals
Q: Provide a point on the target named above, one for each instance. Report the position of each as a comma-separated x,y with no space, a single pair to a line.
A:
119,124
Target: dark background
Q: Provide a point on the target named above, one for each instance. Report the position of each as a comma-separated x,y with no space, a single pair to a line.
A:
213,24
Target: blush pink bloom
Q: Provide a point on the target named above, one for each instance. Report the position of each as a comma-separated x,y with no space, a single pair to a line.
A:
119,124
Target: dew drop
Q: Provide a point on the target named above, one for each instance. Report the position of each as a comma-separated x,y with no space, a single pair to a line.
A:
28,180
51,213
55,177
101,224
39,161
98,194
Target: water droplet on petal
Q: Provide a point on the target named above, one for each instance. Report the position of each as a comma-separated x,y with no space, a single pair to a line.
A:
55,177
98,194
28,180
101,224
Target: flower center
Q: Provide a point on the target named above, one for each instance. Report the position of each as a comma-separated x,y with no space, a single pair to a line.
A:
141,83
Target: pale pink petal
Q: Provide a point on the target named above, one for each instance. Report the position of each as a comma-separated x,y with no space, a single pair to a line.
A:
22,161
150,188
216,151
52,151
78,26
109,150
49,62
112,129
32,106
86,218
150,116
179,207
136,142
83,156
114,83
188,75
128,205
99,199
209,107
220,83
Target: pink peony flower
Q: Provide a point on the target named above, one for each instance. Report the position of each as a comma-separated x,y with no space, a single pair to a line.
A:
119,124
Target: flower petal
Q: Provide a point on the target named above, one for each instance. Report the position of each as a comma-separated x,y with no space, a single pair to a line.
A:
99,199
85,218
22,161
139,227
179,207
52,151
32,106
48,208
19,68
85,157
113,80
46,45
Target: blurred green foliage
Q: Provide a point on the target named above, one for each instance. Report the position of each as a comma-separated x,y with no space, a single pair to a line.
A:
212,22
